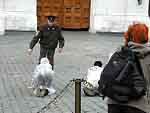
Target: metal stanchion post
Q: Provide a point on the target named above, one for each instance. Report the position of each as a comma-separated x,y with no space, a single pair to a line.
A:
78,96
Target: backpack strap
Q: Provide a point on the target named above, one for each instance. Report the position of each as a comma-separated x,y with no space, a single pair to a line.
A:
141,72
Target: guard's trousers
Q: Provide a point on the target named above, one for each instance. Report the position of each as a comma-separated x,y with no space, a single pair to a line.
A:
49,53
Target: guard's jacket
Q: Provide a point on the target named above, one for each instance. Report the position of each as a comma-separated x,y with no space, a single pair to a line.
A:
48,37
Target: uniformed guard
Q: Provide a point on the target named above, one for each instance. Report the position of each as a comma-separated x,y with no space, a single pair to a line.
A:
48,36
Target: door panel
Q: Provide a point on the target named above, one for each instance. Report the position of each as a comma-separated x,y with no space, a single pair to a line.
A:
69,13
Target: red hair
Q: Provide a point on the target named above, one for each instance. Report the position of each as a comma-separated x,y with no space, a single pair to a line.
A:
137,33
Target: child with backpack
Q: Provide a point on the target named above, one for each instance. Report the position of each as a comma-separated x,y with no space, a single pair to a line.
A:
93,75
125,79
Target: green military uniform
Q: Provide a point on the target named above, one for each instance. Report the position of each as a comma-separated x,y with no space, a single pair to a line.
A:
48,37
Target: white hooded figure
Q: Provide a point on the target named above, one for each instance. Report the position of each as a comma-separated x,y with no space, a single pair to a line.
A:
42,78
92,78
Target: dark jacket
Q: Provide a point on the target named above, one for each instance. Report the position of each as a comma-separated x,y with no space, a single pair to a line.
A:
143,53
48,37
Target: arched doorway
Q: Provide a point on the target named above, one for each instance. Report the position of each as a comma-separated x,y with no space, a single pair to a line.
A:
69,13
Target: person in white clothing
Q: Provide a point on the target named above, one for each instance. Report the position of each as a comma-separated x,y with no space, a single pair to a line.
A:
93,76
42,79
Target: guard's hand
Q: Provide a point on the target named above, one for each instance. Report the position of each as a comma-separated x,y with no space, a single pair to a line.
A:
29,51
60,50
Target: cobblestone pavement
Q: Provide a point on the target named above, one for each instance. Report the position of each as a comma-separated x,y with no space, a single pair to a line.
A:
16,67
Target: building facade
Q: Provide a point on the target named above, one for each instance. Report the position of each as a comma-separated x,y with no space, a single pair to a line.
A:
116,15
17,15
105,15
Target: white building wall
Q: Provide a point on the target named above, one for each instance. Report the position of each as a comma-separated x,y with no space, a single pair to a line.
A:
2,18
18,15
116,15
106,15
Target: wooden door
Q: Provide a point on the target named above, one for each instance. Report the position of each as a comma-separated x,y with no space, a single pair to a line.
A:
49,7
85,13
69,13
76,13
72,14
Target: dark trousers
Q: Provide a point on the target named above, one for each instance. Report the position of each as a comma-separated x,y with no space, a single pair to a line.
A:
49,53
115,108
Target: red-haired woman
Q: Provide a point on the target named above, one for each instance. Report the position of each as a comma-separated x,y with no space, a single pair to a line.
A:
136,37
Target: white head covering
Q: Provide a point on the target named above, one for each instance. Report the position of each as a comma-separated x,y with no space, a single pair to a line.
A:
44,61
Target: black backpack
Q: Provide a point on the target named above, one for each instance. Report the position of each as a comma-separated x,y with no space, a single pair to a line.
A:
122,78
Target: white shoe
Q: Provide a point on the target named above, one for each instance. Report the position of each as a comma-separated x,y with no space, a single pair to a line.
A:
51,91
